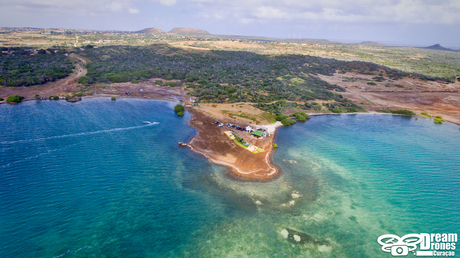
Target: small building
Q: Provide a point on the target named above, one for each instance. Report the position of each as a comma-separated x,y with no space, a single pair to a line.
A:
249,129
258,134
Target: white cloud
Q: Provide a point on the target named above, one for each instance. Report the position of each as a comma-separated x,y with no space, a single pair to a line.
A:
442,12
82,7
115,6
406,11
168,2
133,10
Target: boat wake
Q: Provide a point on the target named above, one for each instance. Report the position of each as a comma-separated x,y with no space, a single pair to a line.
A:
82,134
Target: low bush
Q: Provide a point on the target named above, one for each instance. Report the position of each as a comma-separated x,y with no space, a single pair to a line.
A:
337,111
180,113
301,116
113,98
438,120
403,112
425,114
281,117
172,84
15,98
352,110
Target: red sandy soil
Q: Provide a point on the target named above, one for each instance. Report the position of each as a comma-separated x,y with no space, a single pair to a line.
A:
211,142
435,98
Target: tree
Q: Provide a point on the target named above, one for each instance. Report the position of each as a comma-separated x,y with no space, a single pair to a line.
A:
179,108
288,121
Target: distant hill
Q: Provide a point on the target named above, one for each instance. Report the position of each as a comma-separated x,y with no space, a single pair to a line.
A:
371,43
439,47
151,31
189,32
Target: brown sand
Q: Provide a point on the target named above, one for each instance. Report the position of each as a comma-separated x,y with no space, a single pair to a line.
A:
212,142
435,98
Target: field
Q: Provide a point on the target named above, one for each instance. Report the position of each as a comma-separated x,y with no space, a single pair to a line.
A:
266,76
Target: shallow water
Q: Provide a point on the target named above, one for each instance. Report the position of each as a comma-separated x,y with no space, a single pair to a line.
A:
90,179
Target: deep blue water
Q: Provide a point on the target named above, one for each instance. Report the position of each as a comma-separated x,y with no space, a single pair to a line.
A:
90,179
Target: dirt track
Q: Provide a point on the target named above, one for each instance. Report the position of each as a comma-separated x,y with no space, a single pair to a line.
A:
59,88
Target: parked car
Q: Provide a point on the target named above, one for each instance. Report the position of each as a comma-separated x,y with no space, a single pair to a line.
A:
217,122
221,124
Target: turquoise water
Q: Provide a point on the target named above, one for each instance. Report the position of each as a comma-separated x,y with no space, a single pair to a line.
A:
90,179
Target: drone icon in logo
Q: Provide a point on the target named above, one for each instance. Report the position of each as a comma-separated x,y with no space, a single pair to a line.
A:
399,246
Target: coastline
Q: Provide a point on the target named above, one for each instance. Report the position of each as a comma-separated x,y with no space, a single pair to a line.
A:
210,140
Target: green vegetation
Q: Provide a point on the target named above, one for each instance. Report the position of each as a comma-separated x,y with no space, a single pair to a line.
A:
372,83
352,110
21,69
36,96
1,99
226,76
240,141
271,118
240,114
426,114
113,98
288,121
301,116
275,145
439,120
180,113
403,112
85,80
172,84
14,98
179,108
281,117
54,97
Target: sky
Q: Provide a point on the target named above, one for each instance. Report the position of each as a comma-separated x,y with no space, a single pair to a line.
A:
400,22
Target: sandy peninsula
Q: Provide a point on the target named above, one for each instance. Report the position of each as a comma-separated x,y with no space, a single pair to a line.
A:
212,141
